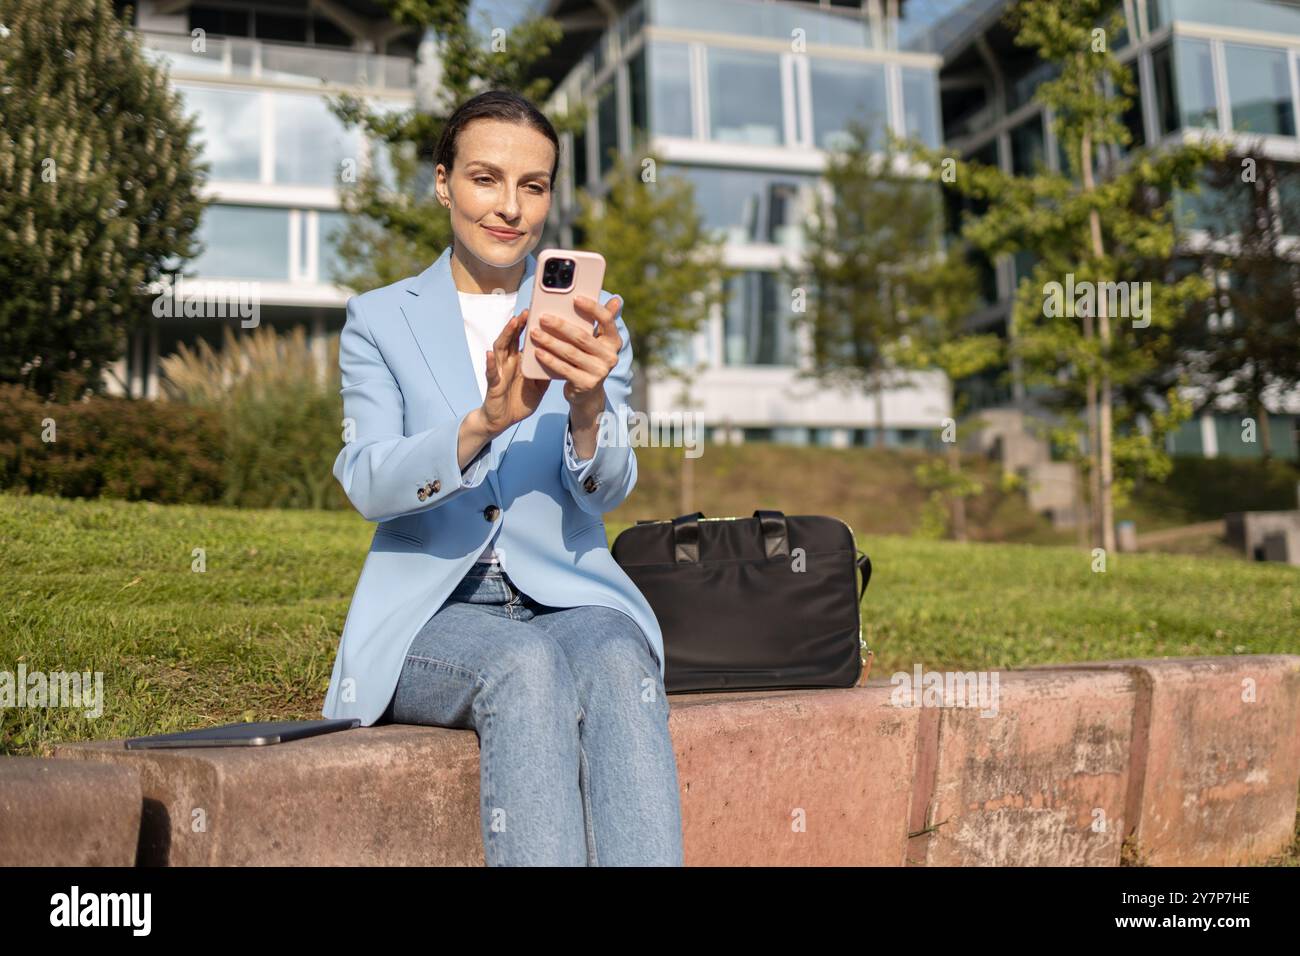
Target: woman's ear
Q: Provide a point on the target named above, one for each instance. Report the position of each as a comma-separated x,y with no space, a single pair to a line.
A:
440,186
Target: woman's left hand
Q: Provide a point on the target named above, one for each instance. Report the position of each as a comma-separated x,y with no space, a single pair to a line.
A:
582,357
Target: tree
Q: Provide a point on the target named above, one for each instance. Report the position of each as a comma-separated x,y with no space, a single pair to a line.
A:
1094,237
99,188
1244,341
887,298
658,258
396,226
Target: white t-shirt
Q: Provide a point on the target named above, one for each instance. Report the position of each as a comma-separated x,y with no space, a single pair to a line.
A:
485,315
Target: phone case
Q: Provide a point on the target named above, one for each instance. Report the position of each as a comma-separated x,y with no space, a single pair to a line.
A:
588,274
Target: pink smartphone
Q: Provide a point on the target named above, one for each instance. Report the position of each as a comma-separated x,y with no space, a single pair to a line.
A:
561,274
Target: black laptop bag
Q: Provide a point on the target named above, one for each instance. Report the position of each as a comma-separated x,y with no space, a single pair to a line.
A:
766,602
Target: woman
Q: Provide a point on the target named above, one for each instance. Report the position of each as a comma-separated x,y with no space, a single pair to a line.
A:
489,598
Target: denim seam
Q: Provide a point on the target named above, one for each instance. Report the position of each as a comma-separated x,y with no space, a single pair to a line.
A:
449,665
592,858
491,790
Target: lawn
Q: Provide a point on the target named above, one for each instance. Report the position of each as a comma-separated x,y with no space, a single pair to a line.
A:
110,586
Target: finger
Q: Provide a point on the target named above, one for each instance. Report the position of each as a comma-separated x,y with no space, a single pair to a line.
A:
570,333
588,357
571,373
503,339
606,317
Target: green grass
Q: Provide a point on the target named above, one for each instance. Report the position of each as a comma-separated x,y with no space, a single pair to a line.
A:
1006,605
108,586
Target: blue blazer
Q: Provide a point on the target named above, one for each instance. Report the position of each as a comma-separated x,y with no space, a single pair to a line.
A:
407,385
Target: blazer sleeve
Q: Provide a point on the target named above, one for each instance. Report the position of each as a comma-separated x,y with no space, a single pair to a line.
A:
385,473
602,482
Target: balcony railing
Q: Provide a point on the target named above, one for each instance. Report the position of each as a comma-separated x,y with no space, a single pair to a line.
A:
278,62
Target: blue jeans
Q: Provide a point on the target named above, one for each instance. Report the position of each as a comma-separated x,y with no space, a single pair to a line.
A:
576,765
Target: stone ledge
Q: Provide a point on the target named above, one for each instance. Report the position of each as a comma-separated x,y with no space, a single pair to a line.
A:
1077,758
1216,757
59,813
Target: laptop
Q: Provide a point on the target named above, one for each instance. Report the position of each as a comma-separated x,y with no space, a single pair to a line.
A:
244,735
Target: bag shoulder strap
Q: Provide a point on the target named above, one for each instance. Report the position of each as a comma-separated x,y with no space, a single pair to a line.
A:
864,565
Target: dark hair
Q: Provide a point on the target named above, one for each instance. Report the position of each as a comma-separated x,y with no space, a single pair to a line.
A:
499,105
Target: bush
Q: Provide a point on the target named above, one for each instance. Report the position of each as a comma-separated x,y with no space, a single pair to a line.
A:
281,418
109,447
255,425
1204,489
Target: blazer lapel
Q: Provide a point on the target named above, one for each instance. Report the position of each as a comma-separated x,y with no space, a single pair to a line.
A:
435,319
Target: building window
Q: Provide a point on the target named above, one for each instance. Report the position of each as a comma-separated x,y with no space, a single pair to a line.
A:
776,20
844,90
745,97
920,110
281,27
987,154
607,128
757,328
380,153
228,23
243,242
679,352
1023,262
1224,204
630,24
580,159
1259,90
230,124
749,206
310,142
670,89
327,33
1027,79
638,96
1288,187
332,225
1162,68
1028,147
1185,85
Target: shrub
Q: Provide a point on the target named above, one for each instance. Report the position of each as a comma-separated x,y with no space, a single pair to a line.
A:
110,447
281,415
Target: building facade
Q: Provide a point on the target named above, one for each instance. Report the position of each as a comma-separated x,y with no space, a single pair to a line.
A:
258,77
719,91
1201,68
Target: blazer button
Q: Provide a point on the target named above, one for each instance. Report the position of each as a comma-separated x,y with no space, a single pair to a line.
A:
490,513
421,494
437,486
589,484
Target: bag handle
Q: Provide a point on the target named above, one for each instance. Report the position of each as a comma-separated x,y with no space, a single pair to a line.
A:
776,536
776,541
686,535
686,538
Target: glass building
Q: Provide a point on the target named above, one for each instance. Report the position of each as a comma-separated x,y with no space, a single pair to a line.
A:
1201,67
257,77
718,89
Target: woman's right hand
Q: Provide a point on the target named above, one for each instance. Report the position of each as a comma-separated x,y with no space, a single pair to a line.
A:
511,395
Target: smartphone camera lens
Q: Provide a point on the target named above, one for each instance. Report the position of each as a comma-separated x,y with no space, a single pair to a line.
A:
558,273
